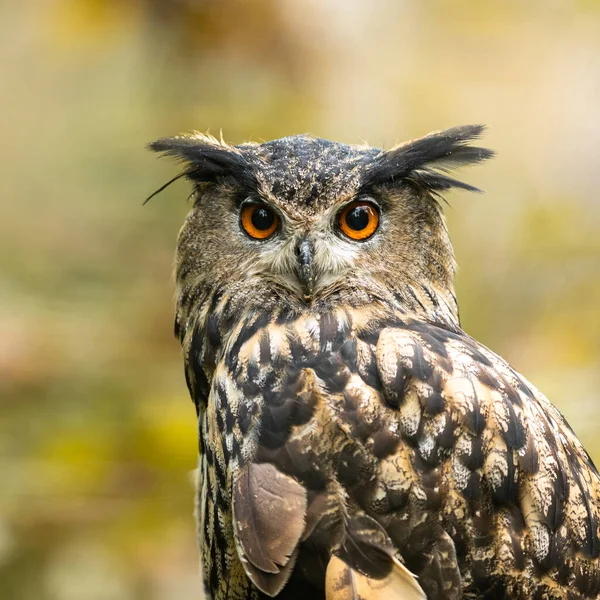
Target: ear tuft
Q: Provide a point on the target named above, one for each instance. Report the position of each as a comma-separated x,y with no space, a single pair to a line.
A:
420,161
206,159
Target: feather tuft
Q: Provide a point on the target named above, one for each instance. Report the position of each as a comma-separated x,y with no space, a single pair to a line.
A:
206,159
420,161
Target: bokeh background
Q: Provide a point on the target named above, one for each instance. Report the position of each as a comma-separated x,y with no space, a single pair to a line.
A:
97,433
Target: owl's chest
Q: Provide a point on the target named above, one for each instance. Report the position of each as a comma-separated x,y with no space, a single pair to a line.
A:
304,389
305,397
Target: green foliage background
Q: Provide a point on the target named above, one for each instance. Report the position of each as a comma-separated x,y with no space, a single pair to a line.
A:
97,433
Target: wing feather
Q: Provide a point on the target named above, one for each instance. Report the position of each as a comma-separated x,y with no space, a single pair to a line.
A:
526,494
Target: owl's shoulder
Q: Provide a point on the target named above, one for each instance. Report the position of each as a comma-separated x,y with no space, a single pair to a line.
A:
501,452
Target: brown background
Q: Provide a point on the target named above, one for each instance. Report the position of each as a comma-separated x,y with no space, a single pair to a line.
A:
97,433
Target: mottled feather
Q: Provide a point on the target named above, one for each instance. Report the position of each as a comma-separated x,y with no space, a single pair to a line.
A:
357,443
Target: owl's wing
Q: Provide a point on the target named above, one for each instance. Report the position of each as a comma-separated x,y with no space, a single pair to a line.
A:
515,497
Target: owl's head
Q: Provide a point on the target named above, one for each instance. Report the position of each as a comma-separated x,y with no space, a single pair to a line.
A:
304,223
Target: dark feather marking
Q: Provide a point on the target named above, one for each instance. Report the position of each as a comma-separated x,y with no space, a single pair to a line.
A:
222,500
212,331
587,578
434,402
421,369
276,424
477,355
297,350
420,159
483,523
348,353
207,451
515,435
473,489
432,297
591,547
396,392
214,574
264,349
439,574
560,496
396,500
219,468
366,548
436,343
559,548
488,379
554,517
352,464
447,437
529,460
414,297
332,373
285,315
229,419
362,430
207,162
508,490
474,419
253,371
475,458
370,336
200,389
247,332
329,333
226,454
384,443
220,420
246,411
282,410
251,387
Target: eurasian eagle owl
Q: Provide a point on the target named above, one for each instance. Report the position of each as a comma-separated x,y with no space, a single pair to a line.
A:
354,441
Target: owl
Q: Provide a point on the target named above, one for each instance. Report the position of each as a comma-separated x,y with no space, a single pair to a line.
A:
355,442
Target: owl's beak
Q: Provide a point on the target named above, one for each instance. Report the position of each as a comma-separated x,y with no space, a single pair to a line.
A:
304,251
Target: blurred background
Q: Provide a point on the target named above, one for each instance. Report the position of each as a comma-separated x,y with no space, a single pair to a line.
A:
97,432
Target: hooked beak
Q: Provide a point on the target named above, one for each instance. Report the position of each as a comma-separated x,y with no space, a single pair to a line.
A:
304,251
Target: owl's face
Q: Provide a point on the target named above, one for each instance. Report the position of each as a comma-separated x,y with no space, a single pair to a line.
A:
307,223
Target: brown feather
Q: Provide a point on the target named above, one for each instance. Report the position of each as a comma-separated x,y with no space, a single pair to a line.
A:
269,511
271,583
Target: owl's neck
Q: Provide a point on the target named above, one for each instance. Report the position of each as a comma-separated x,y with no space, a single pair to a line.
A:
211,322
216,314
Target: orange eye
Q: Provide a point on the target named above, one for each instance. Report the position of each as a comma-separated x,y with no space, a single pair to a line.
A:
359,220
259,221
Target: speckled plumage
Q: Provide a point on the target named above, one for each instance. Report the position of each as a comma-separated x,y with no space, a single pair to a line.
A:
359,444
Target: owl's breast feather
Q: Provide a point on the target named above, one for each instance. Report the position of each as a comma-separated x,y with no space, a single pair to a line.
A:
399,441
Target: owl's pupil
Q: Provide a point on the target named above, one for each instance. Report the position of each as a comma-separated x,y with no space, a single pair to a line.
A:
262,219
357,218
